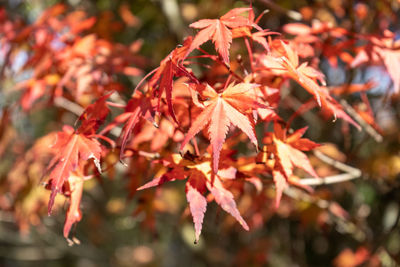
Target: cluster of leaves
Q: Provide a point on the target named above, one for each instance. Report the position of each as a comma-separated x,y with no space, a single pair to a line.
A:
204,105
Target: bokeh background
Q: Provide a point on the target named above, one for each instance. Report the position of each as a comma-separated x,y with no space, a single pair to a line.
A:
304,231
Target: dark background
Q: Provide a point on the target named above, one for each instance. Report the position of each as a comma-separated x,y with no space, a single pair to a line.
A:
301,233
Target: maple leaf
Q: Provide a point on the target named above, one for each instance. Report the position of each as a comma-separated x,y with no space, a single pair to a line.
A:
94,115
258,36
195,188
348,258
169,67
157,137
72,149
307,77
382,50
288,150
218,30
35,89
281,184
324,35
229,107
352,88
333,108
287,62
288,154
199,179
290,157
139,106
74,213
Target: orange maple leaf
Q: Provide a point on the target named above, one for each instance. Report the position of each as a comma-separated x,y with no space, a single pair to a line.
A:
218,30
74,213
288,154
170,67
199,179
72,149
230,107
287,62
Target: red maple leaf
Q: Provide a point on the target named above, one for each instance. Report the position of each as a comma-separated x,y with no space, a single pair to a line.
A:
258,36
308,77
281,184
230,107
286,61
170,67
199,179
34,90
218,30
139,106
74,213
288,154
383,50
94,115
322,36
72,149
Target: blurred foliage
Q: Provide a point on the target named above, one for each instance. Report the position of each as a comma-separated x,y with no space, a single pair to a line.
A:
302,232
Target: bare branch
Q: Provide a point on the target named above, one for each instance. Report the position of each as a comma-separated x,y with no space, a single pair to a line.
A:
343,223
329,179
368,128
350,172
68,105
294,15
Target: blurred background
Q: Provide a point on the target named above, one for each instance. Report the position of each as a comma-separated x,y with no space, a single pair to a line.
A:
354,223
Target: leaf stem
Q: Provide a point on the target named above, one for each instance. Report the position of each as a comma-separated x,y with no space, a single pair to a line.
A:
216,58
144,78
250,52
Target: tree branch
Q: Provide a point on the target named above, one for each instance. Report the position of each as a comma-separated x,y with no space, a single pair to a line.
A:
68,105
294,15
350,172
368,128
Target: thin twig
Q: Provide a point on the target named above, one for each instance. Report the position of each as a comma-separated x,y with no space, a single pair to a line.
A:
350,172
216,58
368,128
342,222
295,104
68,105
337,164
171,10
149,155
250,53
294,15
329,179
